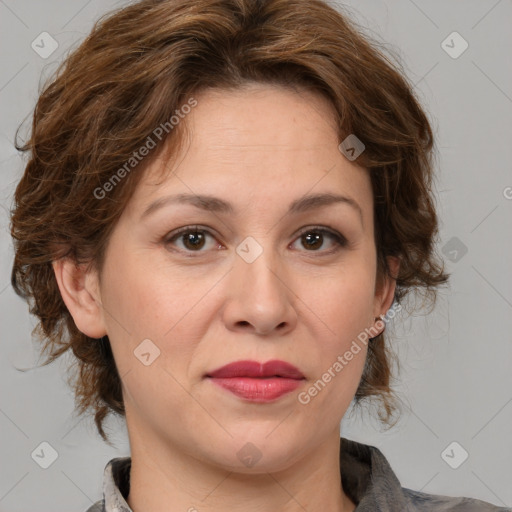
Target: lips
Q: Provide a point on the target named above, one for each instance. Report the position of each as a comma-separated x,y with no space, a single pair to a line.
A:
253,369
257,382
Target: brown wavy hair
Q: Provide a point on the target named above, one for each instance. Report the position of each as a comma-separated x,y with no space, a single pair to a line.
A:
136,68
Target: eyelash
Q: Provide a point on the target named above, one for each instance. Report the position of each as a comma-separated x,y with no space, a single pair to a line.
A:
339,239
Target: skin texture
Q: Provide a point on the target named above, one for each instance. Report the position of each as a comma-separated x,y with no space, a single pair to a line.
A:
259,148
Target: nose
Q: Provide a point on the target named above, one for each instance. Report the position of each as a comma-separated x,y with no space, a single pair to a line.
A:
260,298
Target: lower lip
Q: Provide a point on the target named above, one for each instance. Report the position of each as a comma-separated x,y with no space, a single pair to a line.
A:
258,389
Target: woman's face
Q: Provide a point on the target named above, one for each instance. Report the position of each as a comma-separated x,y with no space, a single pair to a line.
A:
268,268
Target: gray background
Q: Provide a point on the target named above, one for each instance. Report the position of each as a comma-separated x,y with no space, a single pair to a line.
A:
455,379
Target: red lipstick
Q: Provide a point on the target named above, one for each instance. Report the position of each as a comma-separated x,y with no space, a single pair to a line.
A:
258,382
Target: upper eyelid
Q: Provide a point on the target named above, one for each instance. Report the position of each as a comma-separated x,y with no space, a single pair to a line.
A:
324,229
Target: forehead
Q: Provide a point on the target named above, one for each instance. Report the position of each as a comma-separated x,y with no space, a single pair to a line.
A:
259,117
261,142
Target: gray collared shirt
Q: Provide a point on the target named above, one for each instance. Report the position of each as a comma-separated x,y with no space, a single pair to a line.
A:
367,479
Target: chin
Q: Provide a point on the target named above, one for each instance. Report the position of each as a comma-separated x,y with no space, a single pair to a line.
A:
256,452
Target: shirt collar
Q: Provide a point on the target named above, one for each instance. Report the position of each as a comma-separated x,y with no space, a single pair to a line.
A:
367,479
116,485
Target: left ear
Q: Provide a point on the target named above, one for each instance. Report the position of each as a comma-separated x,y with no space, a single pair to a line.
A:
385,288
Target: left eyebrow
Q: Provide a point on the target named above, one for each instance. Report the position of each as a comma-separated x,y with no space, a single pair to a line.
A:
216,204
313,201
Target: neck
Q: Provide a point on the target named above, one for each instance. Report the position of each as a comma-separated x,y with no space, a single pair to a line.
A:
169,480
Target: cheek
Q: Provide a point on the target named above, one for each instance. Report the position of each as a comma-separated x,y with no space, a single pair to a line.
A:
145,302
342,310
343,302
147,299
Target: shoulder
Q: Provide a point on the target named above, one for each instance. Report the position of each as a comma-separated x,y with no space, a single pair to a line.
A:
370,482
422,502
99,506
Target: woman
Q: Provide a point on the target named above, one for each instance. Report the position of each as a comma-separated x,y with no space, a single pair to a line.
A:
225,202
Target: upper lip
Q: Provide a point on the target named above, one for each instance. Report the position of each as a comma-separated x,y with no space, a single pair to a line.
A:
274,368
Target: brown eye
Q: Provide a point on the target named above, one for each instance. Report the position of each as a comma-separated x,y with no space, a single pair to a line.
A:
314,239
191,239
